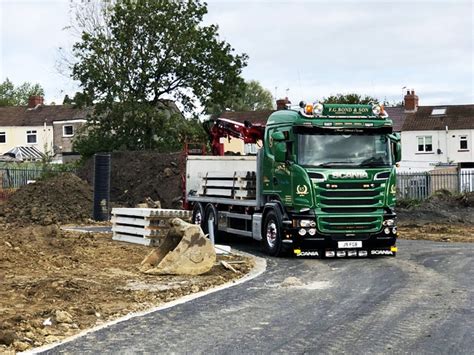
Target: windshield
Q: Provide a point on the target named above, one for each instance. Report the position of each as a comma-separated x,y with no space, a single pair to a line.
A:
343,150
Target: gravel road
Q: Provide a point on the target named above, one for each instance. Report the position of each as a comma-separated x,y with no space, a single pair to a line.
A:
419,302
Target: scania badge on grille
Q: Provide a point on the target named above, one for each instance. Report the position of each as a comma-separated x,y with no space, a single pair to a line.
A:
351,174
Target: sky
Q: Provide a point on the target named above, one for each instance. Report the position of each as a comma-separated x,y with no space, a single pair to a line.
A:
305,50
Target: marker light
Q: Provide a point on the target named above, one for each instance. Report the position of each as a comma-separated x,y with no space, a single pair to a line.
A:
308,109
318,109
376,109
330,254
379,110
307,223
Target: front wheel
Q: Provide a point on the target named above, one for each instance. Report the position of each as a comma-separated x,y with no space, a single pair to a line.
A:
271,235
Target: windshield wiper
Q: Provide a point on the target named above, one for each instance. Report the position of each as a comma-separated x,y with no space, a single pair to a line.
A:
375,164
331,163
373,161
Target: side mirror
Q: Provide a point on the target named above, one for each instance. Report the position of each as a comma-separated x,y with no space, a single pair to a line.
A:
398,152
396,146
278,136
280,152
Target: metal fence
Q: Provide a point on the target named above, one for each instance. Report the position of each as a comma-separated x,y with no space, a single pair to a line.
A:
14,178
422,185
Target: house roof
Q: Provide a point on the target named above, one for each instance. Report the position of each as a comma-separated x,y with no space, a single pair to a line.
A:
251,116
23,116
25,153
454,116
398,115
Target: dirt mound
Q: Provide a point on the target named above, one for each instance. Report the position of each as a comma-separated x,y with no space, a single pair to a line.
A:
56,283
64,198
442,207
138,175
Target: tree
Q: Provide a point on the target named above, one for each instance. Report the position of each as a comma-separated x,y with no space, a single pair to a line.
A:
143,53
160,128
18,96
252,96
351,98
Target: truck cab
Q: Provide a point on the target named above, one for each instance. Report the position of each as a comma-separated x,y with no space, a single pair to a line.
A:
330,171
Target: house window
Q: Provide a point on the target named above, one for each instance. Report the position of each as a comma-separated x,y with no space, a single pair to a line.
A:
463,142
68,131
425,144
3,137
31,137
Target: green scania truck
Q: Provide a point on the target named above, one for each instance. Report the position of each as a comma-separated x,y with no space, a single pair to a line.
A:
322,183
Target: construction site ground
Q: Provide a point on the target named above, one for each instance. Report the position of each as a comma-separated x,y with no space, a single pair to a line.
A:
56,283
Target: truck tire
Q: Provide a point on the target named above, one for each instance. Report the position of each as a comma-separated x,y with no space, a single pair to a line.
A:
210,211
271,235
198,215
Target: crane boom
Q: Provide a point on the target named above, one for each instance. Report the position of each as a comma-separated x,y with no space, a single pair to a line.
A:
225,128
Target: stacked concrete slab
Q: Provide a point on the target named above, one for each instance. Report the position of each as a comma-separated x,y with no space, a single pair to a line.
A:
144,225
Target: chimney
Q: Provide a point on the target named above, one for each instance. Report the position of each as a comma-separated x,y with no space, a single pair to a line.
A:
411,101
35,100
281,103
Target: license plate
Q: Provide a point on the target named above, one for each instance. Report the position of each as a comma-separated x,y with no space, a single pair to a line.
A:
350,244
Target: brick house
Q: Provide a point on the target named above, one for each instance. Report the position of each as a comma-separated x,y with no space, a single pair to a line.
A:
47,128
436,136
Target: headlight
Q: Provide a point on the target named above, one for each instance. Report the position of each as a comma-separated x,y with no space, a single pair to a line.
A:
306,223
318,109
387,230
312,231
389,222
302,232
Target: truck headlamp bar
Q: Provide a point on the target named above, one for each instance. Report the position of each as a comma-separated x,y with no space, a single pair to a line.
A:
319,110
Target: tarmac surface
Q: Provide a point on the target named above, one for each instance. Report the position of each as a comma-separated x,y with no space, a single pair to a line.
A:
418,302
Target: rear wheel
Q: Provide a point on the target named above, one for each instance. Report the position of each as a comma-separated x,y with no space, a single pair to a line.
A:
271,235
211,213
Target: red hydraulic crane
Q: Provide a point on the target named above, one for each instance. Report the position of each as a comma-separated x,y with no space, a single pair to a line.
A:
225,128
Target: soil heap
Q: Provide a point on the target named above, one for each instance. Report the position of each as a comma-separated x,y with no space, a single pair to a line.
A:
141,174
64,198
442,207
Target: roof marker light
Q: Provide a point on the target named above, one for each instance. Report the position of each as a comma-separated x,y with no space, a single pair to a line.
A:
376,109
318,109
308,109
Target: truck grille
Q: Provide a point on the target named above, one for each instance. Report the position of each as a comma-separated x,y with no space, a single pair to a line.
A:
345,206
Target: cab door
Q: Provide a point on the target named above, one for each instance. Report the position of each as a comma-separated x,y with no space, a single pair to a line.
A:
282,176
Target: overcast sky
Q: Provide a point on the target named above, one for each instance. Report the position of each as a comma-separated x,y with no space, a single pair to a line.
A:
306,49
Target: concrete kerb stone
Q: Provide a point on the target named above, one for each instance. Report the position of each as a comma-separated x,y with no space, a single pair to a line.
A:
257,270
